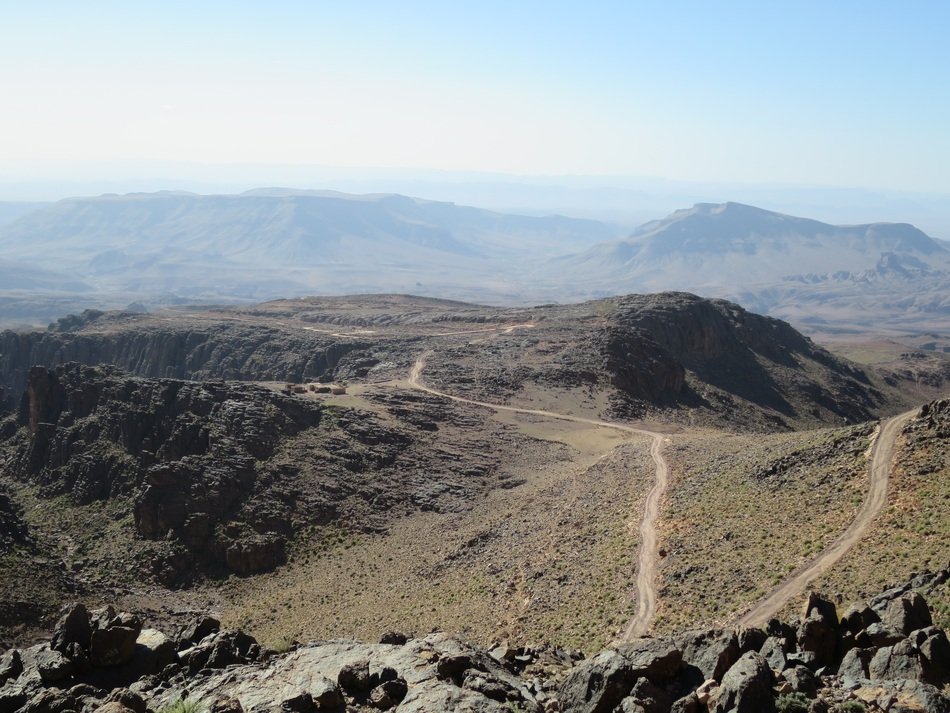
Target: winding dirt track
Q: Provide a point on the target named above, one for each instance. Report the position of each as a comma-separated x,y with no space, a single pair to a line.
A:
647,558
882,454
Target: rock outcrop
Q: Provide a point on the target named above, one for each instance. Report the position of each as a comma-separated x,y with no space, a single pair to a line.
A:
227,671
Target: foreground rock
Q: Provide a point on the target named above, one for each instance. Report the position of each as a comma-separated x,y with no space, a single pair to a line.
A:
884,656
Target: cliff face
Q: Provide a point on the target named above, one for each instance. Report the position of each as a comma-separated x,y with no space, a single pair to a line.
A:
219,351
205,478
189,455
653,342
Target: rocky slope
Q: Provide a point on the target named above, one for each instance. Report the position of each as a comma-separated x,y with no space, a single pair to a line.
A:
673,356
882,655
640,354
131,480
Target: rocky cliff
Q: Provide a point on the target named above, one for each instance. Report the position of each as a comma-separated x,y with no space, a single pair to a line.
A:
728,350
217,351
218,476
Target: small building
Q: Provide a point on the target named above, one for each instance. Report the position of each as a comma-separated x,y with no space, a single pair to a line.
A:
337,390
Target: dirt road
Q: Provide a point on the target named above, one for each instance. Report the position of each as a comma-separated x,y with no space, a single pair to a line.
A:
647,558
882,453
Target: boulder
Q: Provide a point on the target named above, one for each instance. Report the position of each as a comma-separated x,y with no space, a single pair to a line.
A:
326,693
454,667
746,687
922,656
854,665
774,652
355,676
388,694
221,649
750,639
393,637
489,686
906,696
877,635
128,699
53,666
859,617
646,697
907,613
113,645
51,700
602,682
818,634
72,628
113,707
12,698
11,666
200,628
153,651
712,652
802,680
688,704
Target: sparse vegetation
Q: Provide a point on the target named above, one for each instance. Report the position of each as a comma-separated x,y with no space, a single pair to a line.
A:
792,703
184,705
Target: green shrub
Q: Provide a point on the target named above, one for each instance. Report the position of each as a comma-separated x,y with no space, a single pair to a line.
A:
182,705
792,703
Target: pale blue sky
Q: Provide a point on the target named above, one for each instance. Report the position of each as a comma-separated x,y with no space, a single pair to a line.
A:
827,93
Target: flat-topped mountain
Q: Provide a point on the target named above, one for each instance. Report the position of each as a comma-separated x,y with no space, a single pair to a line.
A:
274,242
795,268
173,248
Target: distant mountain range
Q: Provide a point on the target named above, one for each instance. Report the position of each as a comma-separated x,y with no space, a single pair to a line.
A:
798,269
173,247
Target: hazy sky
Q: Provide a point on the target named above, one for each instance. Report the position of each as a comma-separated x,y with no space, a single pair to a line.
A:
832,93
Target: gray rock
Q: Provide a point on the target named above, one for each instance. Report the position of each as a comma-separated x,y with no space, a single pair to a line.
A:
712,652
11,666
750,639
226,705
934,654
355,676
688,704
802,680
12,698
648,698
859,617
907,613
488,686
746,687
53,666
599,684
854,665
72,628
879,634
295,673
388,694
51,700
774,652
923,656
129,699
326,693
113,646
818,633
905,697
200,628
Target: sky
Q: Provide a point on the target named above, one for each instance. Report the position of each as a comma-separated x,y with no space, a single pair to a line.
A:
809,93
